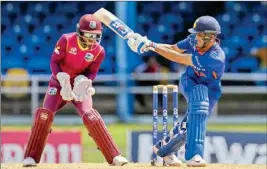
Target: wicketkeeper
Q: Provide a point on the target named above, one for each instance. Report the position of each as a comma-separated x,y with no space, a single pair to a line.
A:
74,64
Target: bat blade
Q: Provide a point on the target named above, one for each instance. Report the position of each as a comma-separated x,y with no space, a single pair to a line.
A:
114,23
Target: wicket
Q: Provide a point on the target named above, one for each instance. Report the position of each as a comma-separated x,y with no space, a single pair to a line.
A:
164,111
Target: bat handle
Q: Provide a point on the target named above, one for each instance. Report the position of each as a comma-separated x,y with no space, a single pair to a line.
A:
129,35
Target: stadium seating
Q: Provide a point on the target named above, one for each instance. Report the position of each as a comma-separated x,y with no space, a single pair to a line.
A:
30,30
245,64
261,83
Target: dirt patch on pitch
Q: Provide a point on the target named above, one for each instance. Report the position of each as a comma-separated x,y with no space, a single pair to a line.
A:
128,166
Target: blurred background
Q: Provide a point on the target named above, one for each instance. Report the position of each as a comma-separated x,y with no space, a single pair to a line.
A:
30,30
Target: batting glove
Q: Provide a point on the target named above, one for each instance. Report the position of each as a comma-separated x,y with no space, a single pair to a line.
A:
139,44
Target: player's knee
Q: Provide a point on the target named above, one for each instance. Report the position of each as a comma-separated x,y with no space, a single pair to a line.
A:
163,153
199,100
50,106
91,117
44,115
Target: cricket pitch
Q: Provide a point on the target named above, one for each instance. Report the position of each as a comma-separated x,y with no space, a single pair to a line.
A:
128,166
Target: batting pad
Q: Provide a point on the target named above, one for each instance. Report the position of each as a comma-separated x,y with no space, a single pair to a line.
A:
98,131
39,134
196,121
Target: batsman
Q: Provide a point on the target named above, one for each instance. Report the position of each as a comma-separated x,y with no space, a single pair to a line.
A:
74,64
200,84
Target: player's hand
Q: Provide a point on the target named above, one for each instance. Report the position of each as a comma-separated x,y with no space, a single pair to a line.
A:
139,44
134,41
82,88
148,45
66,91
133,35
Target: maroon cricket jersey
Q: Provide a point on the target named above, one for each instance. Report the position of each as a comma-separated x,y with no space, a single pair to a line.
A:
70,57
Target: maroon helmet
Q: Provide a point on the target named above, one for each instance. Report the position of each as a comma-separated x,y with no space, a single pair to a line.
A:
89,30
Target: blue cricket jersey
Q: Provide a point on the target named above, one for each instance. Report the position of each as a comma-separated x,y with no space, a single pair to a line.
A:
207,70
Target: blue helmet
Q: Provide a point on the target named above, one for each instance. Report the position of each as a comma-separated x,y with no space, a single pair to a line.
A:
206,24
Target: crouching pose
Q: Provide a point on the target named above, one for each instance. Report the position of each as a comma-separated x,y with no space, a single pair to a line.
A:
74,64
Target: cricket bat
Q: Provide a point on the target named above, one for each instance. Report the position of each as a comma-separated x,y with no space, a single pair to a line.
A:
114,23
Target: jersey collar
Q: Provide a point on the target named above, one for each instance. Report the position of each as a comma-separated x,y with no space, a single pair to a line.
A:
79,45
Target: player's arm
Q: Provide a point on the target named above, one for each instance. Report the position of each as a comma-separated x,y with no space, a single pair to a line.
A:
172,47
92,71
58,55
173,55
175,52
62,77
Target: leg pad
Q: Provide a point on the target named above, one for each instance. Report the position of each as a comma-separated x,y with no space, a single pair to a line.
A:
98,131
196,122
39,133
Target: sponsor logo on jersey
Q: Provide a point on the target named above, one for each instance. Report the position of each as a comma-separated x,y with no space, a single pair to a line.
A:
52,91
198,62
73,51
89,57
57,50
214,54
199,69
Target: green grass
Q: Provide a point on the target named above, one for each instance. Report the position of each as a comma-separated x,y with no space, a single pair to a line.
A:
119,131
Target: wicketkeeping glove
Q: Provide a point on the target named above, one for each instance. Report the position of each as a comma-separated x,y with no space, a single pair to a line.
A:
82,88
66,90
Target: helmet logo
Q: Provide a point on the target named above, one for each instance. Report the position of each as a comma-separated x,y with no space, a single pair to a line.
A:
92,24
195,23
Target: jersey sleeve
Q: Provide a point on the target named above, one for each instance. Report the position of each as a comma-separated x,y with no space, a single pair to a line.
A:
214,60
93,69
187,43
58,55
183,44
